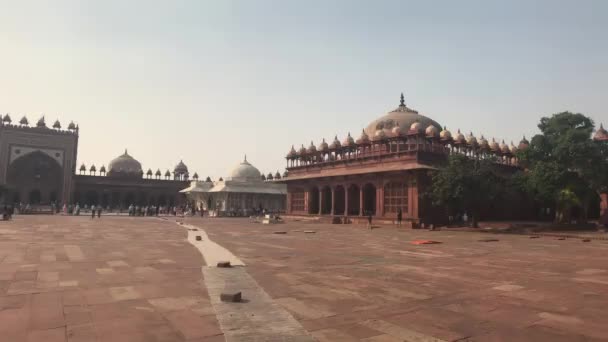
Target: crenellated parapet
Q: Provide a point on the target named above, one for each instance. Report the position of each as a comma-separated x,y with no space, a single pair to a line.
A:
40,127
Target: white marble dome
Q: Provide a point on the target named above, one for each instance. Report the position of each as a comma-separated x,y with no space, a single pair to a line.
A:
245,171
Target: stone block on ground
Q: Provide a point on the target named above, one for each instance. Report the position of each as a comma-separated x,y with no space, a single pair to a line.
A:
279,232
198,238
231,296
224,264
309,231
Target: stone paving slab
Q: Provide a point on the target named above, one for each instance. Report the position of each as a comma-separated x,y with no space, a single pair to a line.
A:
347,283
73,279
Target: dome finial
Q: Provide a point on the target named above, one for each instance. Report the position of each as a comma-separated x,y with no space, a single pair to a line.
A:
245,158
126,152
402,102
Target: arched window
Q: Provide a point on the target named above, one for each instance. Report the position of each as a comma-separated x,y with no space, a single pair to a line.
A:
395,197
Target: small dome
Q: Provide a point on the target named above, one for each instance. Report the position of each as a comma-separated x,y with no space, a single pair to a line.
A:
335,144
125,165
93,168
149,173
41,122
312,148
277,175
459,138
245,171
504,148
524,143
167,173
416,126
208,179
158,173
195,176
323,146
24,121
285,174
483,143
302,150
431,131
363,139
263,177
494,145
57,124
83,167
292,153
445,134
103,169
7,118
269,177
379,135
180,168
471,140
601,134
512,148
221,179
71,126
396,131
348,141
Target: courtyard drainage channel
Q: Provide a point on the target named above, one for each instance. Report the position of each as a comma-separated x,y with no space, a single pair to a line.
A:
255,316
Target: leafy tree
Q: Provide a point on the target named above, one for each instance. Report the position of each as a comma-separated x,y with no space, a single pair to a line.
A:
565,167
466,185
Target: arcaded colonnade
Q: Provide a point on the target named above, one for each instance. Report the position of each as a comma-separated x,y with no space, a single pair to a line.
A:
379,196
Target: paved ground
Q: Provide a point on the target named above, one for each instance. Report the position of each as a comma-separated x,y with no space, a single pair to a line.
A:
346,283
114,279
139,279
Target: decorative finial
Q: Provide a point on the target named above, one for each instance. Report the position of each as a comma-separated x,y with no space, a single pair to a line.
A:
245,158
126,152
601,125
402,102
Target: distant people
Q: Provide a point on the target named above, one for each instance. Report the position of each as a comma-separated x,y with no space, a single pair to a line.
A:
399,217
99,211
93,211
369,220
77,209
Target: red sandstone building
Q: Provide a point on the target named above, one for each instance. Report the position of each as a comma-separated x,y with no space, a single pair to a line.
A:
384,170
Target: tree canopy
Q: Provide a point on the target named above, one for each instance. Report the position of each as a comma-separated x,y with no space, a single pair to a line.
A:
564,166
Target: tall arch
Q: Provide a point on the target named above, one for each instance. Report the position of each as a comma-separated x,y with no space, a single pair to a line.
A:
353,200
36,171
339,200
326,200
369,199
313,200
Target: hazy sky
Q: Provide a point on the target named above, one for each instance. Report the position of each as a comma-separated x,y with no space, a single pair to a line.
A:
210,81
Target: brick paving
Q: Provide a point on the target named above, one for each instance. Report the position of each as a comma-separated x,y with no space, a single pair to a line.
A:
114,279
346,283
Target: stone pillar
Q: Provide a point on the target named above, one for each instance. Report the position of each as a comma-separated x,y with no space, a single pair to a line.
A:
360,200
320,201
345,200
604,204
333,200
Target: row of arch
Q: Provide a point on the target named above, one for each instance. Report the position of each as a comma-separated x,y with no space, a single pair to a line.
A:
351,200
116,199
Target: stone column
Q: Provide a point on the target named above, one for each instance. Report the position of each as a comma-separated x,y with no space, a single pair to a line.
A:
360,200
604,204
345,200
320,201
333,200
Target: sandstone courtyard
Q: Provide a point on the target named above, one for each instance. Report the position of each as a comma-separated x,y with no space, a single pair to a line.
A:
141,279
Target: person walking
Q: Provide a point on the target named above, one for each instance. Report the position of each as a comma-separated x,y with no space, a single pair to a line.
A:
99,211
369,220
399,217
92,211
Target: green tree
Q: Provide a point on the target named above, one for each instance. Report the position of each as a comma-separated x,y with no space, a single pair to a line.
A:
466,185
565,168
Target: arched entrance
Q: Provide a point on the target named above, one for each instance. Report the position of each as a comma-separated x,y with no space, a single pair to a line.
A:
91,198
34,197
35,171
326,202
353,200
339,200
129,199
313,201
369,199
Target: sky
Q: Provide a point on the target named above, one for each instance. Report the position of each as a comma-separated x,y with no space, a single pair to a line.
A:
211,81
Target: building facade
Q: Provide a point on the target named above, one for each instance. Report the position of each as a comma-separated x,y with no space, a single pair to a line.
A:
385,170
38,167
244,193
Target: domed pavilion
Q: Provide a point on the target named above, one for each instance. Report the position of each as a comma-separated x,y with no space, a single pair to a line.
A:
384,170
243,193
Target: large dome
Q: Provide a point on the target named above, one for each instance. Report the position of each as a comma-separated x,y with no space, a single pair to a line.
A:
402,116
125,165
245,171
